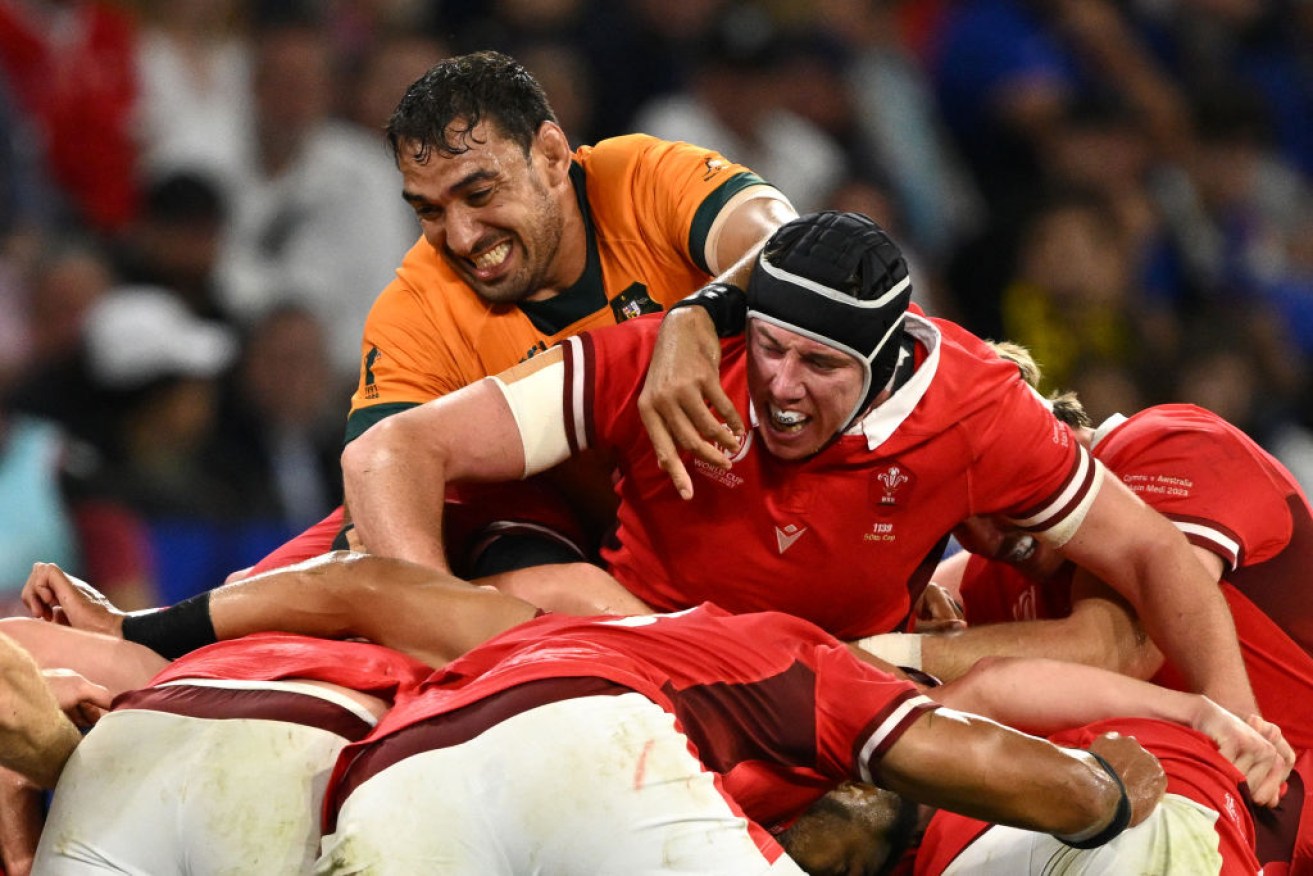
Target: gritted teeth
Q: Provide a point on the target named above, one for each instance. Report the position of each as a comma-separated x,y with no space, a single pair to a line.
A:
493,257
788,419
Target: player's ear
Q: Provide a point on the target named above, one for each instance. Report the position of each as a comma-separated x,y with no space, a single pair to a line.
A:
551,143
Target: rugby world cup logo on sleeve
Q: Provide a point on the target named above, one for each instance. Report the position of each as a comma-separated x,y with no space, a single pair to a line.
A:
890,487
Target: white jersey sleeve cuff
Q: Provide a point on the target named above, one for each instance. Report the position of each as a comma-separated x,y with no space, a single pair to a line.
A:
751,193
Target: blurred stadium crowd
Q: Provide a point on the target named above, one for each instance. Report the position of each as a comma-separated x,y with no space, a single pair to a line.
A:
197,209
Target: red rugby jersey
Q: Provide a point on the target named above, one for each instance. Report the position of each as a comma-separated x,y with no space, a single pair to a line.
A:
778,708
1194,770
848,536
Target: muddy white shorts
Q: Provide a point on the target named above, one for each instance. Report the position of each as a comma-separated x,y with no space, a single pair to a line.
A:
600,784
201,777
1179,836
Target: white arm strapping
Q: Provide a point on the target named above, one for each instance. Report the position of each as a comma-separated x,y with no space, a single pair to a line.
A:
900,649
535,402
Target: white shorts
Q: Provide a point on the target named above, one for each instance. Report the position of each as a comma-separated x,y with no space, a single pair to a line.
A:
1178,837
157,792
594,784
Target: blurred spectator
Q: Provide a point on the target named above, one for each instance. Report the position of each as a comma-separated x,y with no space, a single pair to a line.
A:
161,366
1070,300
175,241
1100,145
28,202
811,70
358,29
1278,62
569,86
1228,211
871,197
280,429
71,66
194,65
1290,293
69,278
45,513
33,515
15,332
1106,388
45,510
734,106
1222,376
893,104
392,61
1002,78
1016,79
319,218
623,53
659,50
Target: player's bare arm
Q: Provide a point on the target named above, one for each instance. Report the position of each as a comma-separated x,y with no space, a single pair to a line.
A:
682,404
429,615
1146,559
22,813
568,588
975,766
106,660
395,475
1044,696
1100,631
36,737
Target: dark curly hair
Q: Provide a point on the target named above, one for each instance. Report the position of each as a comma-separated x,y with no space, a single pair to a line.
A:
441,108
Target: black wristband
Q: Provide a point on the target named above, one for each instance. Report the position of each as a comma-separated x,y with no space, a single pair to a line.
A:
726,305
1121,819
173,631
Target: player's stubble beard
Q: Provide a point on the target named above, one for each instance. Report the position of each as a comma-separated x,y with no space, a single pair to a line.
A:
538,243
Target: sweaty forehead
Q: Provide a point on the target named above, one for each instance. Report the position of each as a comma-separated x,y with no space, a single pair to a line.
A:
483,140
443,174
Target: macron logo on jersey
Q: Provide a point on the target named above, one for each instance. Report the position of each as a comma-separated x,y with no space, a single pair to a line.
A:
788,535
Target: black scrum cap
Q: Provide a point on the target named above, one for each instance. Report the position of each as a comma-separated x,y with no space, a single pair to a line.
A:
838,279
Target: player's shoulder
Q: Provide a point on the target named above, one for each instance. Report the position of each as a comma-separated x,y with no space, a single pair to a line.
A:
1179,418
1178,430
648,157
617,154
966,360
425,283
623,146
631,340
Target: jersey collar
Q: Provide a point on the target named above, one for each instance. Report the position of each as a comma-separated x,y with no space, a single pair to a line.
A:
1104,428
883,421
586,296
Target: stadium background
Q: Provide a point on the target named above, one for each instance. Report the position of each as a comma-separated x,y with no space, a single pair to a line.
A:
197,208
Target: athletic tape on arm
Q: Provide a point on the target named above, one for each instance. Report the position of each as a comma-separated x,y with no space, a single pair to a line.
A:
900,649
534,396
